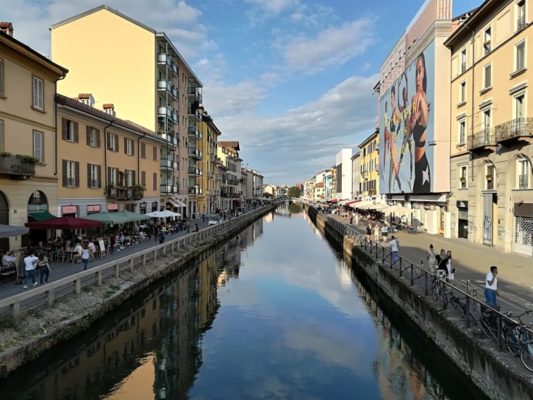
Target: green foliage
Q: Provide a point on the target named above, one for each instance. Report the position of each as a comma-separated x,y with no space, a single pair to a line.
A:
294,191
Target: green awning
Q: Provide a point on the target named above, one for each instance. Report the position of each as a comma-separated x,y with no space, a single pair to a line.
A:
41,216
116,218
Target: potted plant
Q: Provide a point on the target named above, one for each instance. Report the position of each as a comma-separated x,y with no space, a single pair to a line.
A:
5,154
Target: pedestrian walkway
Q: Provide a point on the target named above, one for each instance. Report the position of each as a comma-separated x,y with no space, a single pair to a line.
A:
61,270
472,262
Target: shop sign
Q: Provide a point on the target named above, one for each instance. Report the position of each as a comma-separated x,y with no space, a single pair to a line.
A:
69,210
95,208
112,207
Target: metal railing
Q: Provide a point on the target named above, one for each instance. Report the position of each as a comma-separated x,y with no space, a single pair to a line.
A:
482,139
518,127
13,165
95,276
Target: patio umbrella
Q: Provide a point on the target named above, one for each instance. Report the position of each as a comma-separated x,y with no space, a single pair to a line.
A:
120,217
8,231
64,223
163,214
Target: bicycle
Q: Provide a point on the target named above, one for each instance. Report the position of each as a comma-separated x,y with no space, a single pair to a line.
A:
460,304
438,290
526,355
518,335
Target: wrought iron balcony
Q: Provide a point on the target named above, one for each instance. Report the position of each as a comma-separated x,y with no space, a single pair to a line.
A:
124,193
514,130
482,140
20,167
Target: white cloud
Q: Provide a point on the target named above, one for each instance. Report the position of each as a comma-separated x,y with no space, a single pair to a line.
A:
330,47
274,6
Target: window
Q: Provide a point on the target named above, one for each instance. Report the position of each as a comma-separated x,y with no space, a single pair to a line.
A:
486,41
38,93
520,56
71,174
519,108
522,170
154,155
462,67
38,146
489,176
486,119
112,176
463,174
129,177
129,147
520,14
462,132
70,131
143,178
462,93
487,76
112,141
143,150
94,176
93,136
2,89
154,181
2,137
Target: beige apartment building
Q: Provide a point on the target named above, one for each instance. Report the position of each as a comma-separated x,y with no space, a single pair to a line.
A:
140,70
368,185
105,163
231,191
28,162
492,126
209,196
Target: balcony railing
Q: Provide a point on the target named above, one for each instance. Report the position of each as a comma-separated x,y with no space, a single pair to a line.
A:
195,190
195,114
168,189
195,171
166,59
195,153
523,182
17,166
168,87
167,163
482,139
194,133
124,193
514,129
171,140
167,112
195,93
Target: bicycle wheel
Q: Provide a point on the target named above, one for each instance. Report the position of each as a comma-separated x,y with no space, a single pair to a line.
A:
526,355
514,339
488,328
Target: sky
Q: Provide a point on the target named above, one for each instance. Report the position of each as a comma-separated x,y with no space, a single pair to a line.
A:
290,79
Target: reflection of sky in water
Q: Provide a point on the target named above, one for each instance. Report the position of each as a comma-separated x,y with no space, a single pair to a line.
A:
290,326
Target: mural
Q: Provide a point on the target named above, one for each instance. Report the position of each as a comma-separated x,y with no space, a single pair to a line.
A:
407,129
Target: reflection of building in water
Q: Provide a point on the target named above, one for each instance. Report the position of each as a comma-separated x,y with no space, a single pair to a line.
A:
207,283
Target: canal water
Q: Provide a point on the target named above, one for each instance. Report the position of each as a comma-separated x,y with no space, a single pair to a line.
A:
275,313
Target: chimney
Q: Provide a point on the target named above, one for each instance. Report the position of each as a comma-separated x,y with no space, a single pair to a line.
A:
7,28
86,98
110,109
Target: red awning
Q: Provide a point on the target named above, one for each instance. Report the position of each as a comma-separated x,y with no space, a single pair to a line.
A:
352,202
64,223
333,201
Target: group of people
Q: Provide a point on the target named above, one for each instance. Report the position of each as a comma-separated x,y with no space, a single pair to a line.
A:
36,268
441,263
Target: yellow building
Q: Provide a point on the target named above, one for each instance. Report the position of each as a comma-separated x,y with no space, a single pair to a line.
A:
491,131
28,167
208,199
150,83
105,163
368,185
228,153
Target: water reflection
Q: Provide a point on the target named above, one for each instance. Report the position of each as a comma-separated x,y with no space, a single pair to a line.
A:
280,318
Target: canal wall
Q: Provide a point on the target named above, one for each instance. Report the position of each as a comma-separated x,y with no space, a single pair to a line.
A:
44,329
494,372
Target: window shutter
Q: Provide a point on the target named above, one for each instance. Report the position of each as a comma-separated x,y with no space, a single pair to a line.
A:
116,141
64,164
143,150
2,140
89,176
125,146
77,174
88,134
134,182
97,133
132,148
109,181
64,128
154,181
76,138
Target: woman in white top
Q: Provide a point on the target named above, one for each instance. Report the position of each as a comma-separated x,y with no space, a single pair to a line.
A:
449,266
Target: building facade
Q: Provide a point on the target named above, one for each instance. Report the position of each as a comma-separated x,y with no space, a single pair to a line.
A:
491,129
208,196
231,196
105,163
149,82
356,174
368,185
28,159
343,166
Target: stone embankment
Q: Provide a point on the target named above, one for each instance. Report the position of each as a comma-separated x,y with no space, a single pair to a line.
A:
25,335
497,374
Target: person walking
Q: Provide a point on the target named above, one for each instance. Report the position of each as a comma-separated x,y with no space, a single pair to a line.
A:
450,269
442,268
30,262
85,256
368,232
394,250
432,259
377,232
43,267
491,287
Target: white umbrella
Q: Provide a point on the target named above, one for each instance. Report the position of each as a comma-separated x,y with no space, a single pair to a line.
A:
163,214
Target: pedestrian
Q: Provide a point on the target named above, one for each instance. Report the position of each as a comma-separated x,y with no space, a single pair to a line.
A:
156,236
351,219
196,227
30,262
85,256
368,232
161,237
491,287
377,231
394,250
442,267
44,268
432,259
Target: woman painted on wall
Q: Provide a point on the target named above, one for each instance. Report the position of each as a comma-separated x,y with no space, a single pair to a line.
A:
405,111
394,126
419,122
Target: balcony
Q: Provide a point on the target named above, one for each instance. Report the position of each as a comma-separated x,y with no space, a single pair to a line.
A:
196,114
167,86
171,140
17,166
167,112
514,130
124,192
482,141
195,171
168,189
168,164
166,60
195,190
194,133
195,93
195,153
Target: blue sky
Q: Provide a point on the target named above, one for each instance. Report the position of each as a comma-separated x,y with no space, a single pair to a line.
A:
290,79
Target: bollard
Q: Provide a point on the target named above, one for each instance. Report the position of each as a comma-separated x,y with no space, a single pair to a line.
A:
99,278
164,251
130,262
77,284
117,270
50,297
15,307
155,256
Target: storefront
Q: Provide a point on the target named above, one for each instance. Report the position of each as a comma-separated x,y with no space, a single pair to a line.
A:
69,211
112,207
523,234
462,219
93,209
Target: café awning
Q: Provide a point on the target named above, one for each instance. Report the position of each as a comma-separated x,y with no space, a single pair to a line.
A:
117,218
41,216
163,214
9,231
64,223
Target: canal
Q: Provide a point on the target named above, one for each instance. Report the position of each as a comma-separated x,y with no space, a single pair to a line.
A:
275,313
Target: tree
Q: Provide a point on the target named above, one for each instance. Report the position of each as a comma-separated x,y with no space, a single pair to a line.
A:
294,191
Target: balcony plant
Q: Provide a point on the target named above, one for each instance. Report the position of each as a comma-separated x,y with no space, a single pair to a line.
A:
26,158
5,154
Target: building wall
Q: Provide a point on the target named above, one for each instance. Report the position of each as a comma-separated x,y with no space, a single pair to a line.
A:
344,159
112,58
369,166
